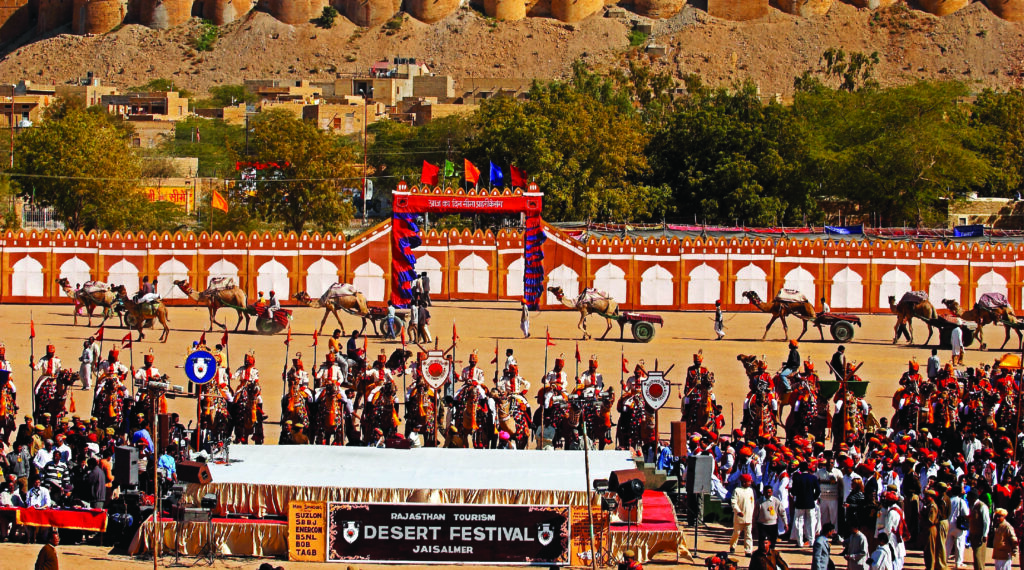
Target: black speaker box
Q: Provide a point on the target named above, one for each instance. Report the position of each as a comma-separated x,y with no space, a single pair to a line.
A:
194,472
126,467
698,474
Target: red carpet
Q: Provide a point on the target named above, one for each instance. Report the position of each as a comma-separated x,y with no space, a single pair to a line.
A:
659,515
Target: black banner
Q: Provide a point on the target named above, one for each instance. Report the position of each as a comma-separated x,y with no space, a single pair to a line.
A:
448,534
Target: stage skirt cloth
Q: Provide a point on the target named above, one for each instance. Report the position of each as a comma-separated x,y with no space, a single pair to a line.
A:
231,537
270,500
657,532
89,520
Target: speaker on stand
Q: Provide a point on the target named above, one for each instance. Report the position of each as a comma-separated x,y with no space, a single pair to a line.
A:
698,483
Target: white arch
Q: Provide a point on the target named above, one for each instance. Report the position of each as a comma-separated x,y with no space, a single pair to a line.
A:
944,285
474,275
751,278
991,282
170,271
432,267
563,276
76,271
895,283
27,278
124,273
799,279
705,286
612,280
656,286
369,278
514,279
223,268
847,289
273,276
320,276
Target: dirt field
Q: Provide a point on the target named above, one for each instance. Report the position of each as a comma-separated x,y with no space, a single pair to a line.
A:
479,326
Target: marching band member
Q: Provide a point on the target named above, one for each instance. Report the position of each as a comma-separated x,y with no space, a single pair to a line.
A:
247,372
591,377
49,364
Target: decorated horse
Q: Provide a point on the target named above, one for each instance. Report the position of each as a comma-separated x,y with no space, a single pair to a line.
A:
636,421
513,416
848,423
699,405
52,394
471,418
108,403
215,411
421,412
247,414
379,410
330,412
760,413
756,368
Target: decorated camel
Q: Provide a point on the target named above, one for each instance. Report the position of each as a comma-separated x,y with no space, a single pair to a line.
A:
92,294
913,305
786,303
591,301
992,309
340,296
222,292
137,314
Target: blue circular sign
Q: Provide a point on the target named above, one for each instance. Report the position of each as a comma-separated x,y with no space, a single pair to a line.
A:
200,367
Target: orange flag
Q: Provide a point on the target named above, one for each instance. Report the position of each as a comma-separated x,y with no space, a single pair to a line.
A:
472,172
549,338
218,202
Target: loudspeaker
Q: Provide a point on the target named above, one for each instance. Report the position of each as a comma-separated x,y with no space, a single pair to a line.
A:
698,474
623,475
194,472
126,467
678,430
163,430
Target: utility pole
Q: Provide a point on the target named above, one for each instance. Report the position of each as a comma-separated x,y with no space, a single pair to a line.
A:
366,102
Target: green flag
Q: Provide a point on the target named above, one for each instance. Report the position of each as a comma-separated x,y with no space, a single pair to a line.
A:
449,169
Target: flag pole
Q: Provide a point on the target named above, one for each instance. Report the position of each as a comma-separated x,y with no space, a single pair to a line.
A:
32,359
495,362
316,341
543,389
284,369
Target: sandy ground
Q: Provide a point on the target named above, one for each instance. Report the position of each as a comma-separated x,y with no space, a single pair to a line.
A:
479,326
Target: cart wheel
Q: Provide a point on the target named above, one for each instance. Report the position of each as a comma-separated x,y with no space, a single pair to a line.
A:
968,336
842,331
643,331
129,320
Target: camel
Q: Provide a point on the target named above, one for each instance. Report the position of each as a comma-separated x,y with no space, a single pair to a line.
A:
102,296
353,304
984,317
780,308
138,314
232,298
587,305
905,313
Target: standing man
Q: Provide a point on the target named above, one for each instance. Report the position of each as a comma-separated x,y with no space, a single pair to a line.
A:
821,555
769,513
767,558
978,530
47,559
719,321
829,477
934,365
934,551
956,540
837,362
806,491
524,319
882,559
425,289
1005,542
956,343
856,553
743,515
423,318
87,360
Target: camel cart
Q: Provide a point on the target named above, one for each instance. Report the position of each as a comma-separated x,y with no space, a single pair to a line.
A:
840,326
641,324
946,326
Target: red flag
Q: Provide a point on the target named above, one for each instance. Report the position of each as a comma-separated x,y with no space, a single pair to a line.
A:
202,339
472,172
548,334
624,362
403,337
495,359
224,339
32,329
316,335
455,335
99,334
126,342
429,174
366,346
288,340
518,177
578,358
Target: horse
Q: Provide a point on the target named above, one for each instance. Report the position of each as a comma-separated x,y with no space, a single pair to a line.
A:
700,410
759,419
108,404
513,416
421,412
215,411
248,414
329,412
379,411
51,396
784,397
470,417
636,421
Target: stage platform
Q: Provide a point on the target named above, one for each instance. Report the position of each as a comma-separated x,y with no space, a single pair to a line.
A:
261,480
659,531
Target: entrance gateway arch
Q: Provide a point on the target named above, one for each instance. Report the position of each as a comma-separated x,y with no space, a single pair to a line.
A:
405,234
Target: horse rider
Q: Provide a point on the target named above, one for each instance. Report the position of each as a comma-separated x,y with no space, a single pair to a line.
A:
329,372
49,363
272,305
636,380
112,366
247,372
695,373
591,377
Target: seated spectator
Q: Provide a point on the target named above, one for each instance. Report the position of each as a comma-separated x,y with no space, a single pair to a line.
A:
43,456
10,496
38,497
55,474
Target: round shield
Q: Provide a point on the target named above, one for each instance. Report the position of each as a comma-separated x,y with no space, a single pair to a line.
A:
200,367
656,390
435,369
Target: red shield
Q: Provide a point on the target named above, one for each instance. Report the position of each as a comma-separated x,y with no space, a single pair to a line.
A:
656,389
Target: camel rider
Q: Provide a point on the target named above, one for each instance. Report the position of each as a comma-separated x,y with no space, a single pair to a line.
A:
147,294
810,377
851,372
636,380
513,383
6,364
354,352
329,372
298,372
272,305
474,375
792,364
7,384
377,377
911,379
761,376
49,364
247,372
112,366
695,373
510,361
591,377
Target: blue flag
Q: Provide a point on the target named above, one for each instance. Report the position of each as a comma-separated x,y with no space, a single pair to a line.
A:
497,178
845,230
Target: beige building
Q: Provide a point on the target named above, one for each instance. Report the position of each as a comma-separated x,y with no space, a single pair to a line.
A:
150,133
22,110
421,111
90,93
271,91
166,106
999,213
345,116
230,115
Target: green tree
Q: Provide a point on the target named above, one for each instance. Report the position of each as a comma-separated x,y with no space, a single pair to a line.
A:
998,120
893,152
728,157
397,150
217,149
83,166
315,166
227,96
